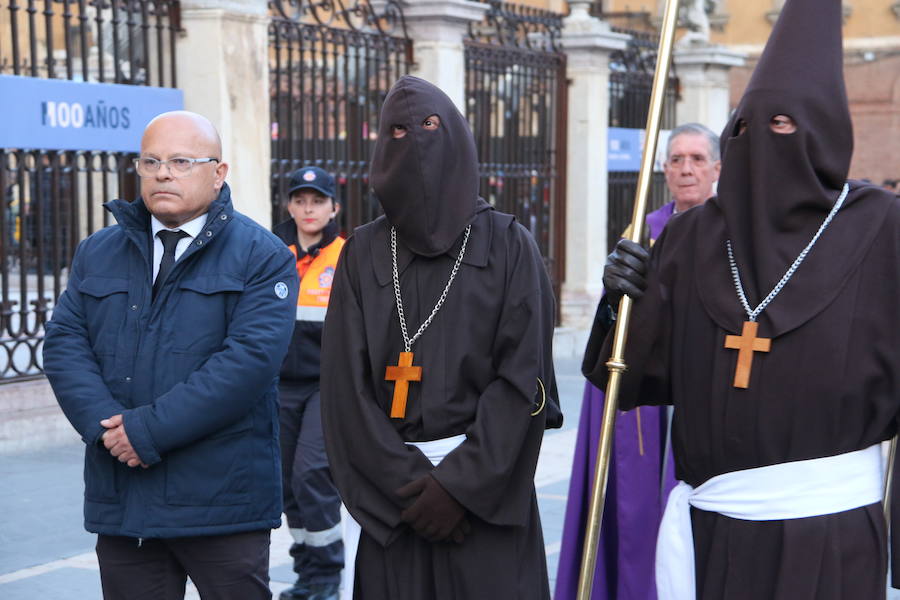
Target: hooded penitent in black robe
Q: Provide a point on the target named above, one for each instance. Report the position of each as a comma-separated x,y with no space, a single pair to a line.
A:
831,382
482,357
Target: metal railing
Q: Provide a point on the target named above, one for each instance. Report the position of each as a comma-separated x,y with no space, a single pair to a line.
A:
331,65
630,82
124,41
516,103
51,199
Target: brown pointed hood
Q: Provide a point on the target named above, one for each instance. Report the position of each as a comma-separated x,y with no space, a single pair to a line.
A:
427,181
776,189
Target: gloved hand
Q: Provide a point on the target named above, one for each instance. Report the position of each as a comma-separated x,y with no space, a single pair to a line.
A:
435,515
461,531
625,272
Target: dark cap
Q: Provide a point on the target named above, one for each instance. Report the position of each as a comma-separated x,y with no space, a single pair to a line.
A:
313,178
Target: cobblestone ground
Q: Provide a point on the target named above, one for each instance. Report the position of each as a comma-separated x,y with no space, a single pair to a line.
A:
45,554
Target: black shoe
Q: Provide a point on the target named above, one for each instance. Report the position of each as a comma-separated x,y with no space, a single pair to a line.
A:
323,591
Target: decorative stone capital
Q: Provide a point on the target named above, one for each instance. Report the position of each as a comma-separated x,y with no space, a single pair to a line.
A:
716,14
705,74
438,29
584,33
442,20
708,55
579,9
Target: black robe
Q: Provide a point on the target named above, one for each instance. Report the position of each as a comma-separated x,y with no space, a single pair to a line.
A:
829,385
481,357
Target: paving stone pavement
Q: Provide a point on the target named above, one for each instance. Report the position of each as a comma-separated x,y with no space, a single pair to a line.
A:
46,554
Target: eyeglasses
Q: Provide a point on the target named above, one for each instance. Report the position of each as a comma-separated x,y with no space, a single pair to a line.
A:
180,166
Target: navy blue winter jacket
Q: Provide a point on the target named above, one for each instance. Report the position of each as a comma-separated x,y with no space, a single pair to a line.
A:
193,373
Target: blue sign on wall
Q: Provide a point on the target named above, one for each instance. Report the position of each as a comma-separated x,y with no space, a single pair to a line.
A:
626,147
56,114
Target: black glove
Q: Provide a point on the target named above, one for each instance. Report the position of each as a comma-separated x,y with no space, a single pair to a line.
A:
461,531
435,515
625,272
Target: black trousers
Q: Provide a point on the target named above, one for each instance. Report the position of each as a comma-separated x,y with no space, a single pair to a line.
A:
311,500
223,567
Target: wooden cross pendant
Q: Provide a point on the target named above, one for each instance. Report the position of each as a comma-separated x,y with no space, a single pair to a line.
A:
401,375
746,344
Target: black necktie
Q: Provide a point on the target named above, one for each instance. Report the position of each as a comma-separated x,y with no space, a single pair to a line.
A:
169,241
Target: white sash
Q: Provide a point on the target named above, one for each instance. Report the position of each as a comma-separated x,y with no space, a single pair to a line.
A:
435,451
792,490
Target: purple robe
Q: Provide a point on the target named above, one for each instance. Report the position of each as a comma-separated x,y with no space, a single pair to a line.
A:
635,496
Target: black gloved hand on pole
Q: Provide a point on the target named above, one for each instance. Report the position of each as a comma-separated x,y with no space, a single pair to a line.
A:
625,272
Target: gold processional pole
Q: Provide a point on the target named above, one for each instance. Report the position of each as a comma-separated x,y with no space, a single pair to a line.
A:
889,479
616,362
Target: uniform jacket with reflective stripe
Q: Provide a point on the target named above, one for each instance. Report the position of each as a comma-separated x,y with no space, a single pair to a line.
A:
193,372
315,267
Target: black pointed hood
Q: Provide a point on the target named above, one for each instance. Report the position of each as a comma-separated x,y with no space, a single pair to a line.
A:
427,181
776,189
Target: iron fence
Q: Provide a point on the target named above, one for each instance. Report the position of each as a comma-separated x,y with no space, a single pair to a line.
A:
516,104
331,65
51,199
630,84
111,41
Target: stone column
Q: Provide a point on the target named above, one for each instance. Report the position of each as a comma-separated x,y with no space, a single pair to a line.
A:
703,71
222,66
588,43
438,29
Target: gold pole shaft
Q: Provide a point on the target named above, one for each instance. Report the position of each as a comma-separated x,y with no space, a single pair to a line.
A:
616,363
889,479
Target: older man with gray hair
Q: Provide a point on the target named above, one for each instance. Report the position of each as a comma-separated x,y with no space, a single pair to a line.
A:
641,472
691,168
692,165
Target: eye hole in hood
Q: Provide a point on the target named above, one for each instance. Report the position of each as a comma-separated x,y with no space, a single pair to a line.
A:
427,178
777,186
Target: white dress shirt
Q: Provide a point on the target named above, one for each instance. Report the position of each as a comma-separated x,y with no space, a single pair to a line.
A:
192,228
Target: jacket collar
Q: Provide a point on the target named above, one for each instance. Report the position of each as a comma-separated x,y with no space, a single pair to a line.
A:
134,218
287,231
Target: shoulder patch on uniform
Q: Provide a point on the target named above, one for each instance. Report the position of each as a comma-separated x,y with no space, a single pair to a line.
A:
326,277
281,290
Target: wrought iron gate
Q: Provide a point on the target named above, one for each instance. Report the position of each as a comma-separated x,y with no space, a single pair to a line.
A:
51,199
516,104
331,65
630,84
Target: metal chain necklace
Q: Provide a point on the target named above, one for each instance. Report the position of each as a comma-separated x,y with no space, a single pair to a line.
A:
747,343
405,371
754,313
407,341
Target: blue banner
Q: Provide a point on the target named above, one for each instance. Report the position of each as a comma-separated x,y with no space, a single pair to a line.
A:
626,147
55,114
